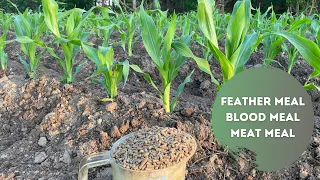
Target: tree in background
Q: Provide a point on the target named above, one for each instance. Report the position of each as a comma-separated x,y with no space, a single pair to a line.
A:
21,4
83,4
221,4
301,5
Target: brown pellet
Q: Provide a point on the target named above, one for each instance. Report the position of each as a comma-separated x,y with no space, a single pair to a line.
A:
154,148
143,163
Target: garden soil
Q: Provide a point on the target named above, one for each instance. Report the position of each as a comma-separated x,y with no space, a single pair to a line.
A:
46,127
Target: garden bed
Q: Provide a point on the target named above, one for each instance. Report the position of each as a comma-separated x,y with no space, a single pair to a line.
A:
48,127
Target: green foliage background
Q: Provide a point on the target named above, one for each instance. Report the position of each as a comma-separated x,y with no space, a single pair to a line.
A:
280,6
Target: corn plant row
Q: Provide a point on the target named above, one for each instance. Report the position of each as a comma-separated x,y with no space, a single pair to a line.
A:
166,38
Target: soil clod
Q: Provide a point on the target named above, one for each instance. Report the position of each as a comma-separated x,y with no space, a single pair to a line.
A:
111,106
115,132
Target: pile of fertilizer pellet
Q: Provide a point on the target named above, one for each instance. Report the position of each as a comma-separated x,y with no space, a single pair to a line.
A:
154,148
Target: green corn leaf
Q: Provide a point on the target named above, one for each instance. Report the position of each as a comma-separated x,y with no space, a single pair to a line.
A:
297,24
307,48
22,26
52,53
70,22
150,37
102,52
247,47
318,37
186,27
99,71
206,21
68,55
25,64
76,42
24,39
157,4
136,68
123,36
62,63
60,40
169,36
314,74
40,29
109,57
203,64
3,60
3,43
37,60
227,68
105,11
147,77
50,11
106,100
106,28
78,29
179,91
125,71
92,54
117,75
130,43
167,44
84,37
311,86
237,27
292,55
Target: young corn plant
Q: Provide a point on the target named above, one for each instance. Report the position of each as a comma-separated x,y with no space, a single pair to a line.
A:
168,62
5,22
127,27
112,71
71,41
238,46
272,43
160,17
103,26
309,50
315,30
29,28
259,20
291,50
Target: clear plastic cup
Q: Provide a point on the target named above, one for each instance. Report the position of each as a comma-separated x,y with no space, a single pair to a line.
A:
175,172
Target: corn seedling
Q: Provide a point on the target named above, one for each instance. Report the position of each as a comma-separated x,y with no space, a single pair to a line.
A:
29,28
315,31
5,23
167,62
103,25
238,45
309,50
71,42
127,27
291,50
112,71
272,43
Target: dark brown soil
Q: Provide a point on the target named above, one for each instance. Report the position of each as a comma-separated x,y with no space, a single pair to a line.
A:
46,127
